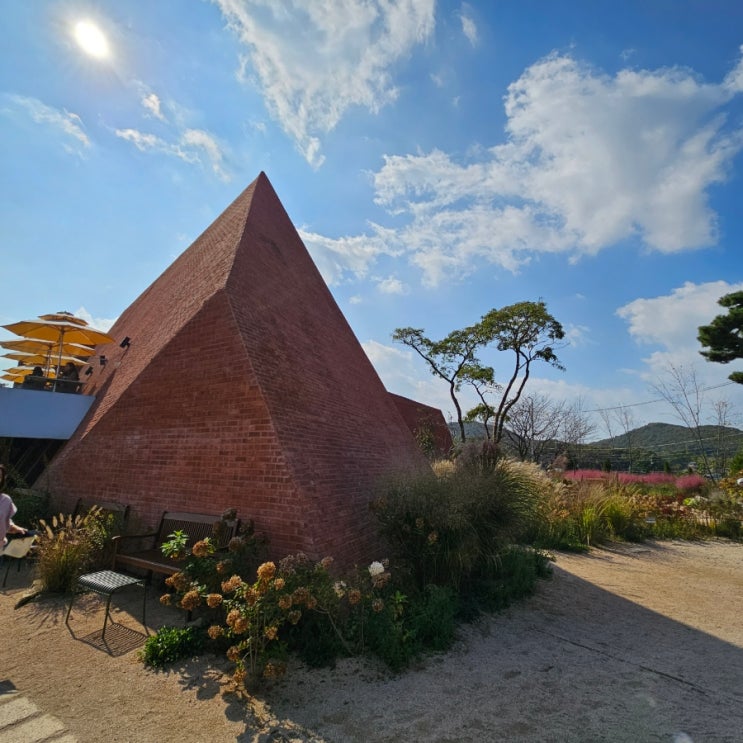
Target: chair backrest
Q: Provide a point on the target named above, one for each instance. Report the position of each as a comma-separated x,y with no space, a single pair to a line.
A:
198,526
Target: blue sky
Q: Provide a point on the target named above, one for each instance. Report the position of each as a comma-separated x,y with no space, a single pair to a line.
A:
439,159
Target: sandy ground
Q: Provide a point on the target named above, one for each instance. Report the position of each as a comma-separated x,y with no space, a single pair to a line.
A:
633,643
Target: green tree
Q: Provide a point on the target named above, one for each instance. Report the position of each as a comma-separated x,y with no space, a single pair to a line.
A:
724,335
446,358
528,331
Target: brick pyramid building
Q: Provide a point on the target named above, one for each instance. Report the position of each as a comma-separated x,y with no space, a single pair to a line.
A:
243,385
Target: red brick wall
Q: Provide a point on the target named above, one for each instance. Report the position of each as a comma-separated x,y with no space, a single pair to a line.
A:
420,417
243,386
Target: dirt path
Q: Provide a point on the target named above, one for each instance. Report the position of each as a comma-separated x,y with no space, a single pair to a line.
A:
636,643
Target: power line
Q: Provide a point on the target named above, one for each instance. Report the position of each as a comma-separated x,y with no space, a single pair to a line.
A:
651,402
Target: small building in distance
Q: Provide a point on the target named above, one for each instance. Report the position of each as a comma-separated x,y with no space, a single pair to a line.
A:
243,386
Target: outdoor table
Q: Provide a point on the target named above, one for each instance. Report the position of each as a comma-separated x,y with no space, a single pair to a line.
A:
107,583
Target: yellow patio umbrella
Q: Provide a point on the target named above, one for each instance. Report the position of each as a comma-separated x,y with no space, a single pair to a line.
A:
60,331
59,328
32,345
38,359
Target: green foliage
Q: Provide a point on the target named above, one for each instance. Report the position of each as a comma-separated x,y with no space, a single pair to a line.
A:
526,329
175,545
171,644
69,546
32,505
514,578
736,464
723,335
426,440
445,531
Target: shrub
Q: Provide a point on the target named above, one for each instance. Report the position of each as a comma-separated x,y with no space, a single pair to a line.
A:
170,644
446,530
69,546
32,505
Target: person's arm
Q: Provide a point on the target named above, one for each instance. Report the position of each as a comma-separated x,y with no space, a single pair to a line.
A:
15,529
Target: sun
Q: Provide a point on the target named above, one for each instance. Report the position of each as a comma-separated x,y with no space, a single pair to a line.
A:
91,39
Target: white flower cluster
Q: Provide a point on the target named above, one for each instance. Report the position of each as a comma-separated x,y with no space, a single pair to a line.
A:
376,568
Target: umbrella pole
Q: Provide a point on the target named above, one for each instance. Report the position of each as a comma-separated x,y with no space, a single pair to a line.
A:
59,360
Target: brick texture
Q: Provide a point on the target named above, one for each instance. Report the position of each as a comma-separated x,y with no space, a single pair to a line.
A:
243,386
424,420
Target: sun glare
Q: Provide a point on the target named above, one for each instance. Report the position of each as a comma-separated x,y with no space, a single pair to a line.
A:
91,39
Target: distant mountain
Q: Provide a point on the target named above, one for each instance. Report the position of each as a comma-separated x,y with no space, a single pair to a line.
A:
660,436
649,447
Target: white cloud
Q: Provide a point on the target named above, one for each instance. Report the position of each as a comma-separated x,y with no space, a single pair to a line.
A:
152,103
671,323
591,160
469,27
315,60
392,285
100,323
199,140
61,121
335,258
577,335
193,146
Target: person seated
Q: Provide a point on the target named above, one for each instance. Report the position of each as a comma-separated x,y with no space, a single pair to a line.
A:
7,510
68,379
35,380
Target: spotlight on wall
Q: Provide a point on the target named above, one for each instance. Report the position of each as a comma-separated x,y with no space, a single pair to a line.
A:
103,360
125,343
88,371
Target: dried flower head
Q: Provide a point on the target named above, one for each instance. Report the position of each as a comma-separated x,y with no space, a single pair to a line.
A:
202,548
232,616
190,600
433,537
270,633
215,631
166,599
233,653
285,602
239,676
419,523
213,600
240,626
354,596
377,605
300,595
232,584
311,602
251,596
326,562
266,571
294,616
279,584
381,580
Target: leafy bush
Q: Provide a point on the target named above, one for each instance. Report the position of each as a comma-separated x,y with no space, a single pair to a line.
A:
32,505
447,530
69,546
170,644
